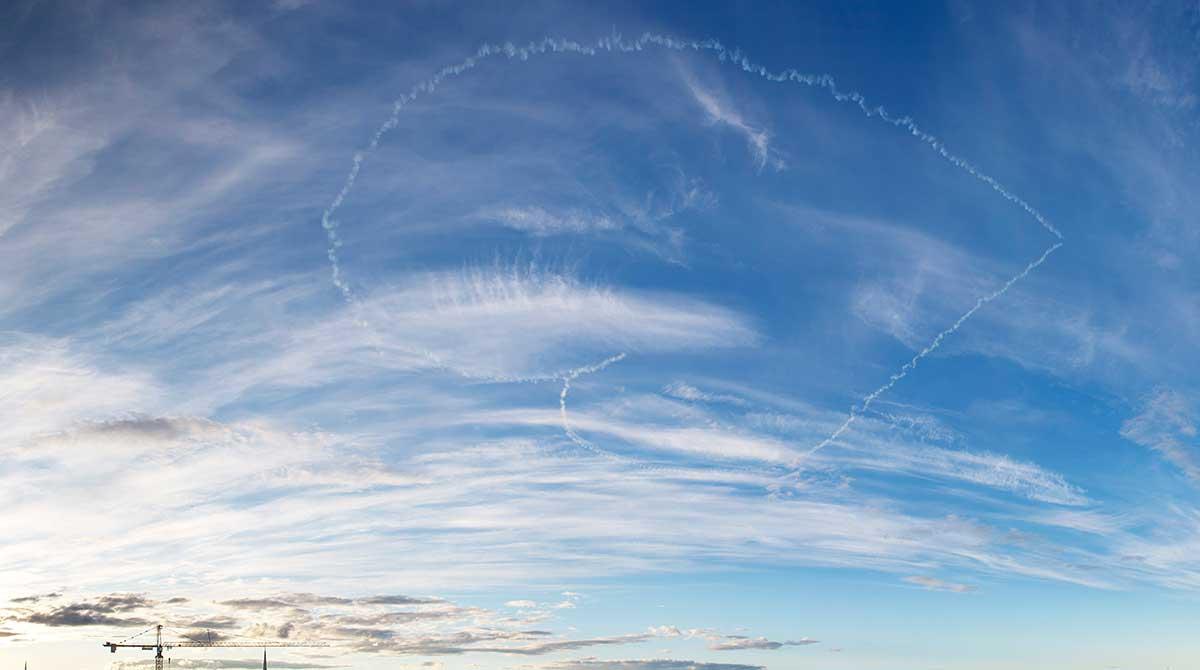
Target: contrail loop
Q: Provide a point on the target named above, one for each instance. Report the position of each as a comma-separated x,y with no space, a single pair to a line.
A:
615,43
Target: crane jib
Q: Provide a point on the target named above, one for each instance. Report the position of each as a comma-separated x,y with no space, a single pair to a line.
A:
159,645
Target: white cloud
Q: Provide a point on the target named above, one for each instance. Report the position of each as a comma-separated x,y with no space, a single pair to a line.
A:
908,447
497,322
935,584
540,222
48,386
1167,424
919,283
62,151
484,323
741,642
703,442
758,140
1082,521
521,604
981,468
685,391
377,624
1145,75
324,507
37,152
1167,553
323,513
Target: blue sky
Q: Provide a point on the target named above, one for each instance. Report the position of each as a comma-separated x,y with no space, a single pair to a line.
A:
631,336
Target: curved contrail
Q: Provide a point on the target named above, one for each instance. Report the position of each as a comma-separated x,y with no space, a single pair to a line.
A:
584,443
735,57
615,43
567,378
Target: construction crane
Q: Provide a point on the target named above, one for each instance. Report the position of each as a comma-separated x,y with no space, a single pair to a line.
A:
160,644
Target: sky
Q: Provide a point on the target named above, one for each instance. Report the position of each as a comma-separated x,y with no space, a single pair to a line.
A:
601,336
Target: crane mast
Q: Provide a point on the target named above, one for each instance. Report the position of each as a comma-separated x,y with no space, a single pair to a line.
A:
159,645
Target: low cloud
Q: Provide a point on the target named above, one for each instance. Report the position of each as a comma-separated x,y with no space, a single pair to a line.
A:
718,641
36,598
107,610
398,600
223,664
80,615
425,627
736,642
654,664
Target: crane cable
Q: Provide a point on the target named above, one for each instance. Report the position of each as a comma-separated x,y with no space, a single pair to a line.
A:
135,635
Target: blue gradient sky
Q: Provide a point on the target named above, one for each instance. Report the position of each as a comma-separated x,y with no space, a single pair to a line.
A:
613,353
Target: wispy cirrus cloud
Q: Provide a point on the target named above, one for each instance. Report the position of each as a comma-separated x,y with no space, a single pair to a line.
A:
540,222
1167,424
500,322
348,510
887,447
37,373
758,140
493,322
648,220
69,145
183,355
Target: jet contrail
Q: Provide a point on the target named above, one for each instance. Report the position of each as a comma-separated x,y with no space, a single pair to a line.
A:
584,443
930,348
615,43
567,378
